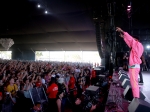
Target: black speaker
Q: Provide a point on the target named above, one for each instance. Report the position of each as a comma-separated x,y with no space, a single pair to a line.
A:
122,72
125,83
98,39
99,70
122,77
92,90
129,95
138,105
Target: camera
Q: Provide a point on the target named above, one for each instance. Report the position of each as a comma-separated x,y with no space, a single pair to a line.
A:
91,97
89,101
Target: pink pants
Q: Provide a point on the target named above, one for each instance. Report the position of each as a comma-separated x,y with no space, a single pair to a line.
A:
133,73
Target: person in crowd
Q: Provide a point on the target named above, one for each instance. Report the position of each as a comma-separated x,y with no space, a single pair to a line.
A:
1,101
62,86
44,85
93,77
43,79
38,82
87,75
67,77
52,91
145,64
57,77
141,66
17,82
80,84
136,51
77,72
59,101
12,90
71,86
47,78
148,62
53,74
119,61
125,61
24,104
28,85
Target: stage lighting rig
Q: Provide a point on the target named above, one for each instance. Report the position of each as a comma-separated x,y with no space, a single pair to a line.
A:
129,9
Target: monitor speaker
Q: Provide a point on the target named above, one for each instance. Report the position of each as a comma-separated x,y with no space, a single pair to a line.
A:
122,77
138,105
128,94
120,71
125,83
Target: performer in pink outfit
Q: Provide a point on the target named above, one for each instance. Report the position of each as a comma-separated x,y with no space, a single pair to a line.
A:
134,59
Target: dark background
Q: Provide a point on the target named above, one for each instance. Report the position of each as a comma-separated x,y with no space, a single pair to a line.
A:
70,25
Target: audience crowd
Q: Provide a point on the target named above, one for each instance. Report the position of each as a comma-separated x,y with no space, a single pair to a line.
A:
59,80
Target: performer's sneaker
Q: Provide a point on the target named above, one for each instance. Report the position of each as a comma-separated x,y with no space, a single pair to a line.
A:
141,83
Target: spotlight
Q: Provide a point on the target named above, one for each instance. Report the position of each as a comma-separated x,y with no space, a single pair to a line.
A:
38,5
128,9
46,11
129,6
148,46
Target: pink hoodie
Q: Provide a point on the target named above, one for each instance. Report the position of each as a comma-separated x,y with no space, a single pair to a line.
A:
136,51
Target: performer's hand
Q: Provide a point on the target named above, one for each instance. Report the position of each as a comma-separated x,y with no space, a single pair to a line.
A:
121,35
118,29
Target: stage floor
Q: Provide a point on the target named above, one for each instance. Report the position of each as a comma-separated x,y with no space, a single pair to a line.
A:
145,88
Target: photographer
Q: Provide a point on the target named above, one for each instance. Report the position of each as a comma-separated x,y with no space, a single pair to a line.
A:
79,106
